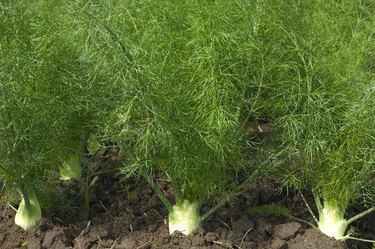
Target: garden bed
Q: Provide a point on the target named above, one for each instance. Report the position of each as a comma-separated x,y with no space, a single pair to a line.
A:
127,214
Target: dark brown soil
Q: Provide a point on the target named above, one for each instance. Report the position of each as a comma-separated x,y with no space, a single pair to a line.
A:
128,215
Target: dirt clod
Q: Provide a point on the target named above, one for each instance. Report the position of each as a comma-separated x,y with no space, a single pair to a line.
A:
278,244
313,239
286,231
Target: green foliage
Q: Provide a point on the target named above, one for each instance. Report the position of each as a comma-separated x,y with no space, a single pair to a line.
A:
183,68
44,97
22,127
270,209
322,97
175,85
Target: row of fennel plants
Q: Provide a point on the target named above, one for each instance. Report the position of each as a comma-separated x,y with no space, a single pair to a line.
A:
184,80
199,74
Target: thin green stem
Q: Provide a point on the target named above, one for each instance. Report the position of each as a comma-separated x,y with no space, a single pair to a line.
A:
177,192
309,208
318,202
216,207
25,197
299,219
359,239
88,177
358,216
227,197
18,172
86,136
160,193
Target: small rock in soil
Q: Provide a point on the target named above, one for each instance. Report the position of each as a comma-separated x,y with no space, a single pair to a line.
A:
278,244
286,231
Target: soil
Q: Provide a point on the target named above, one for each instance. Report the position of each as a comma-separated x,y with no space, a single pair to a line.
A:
128,215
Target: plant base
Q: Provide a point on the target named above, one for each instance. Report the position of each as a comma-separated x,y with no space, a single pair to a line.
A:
28,215
332,223
184,218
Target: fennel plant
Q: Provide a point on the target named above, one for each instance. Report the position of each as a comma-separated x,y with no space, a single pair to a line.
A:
184,71
41,101
322,105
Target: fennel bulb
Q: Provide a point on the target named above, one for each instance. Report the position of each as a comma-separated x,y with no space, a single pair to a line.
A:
29,212
71,168
94,146
184,217
332,222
